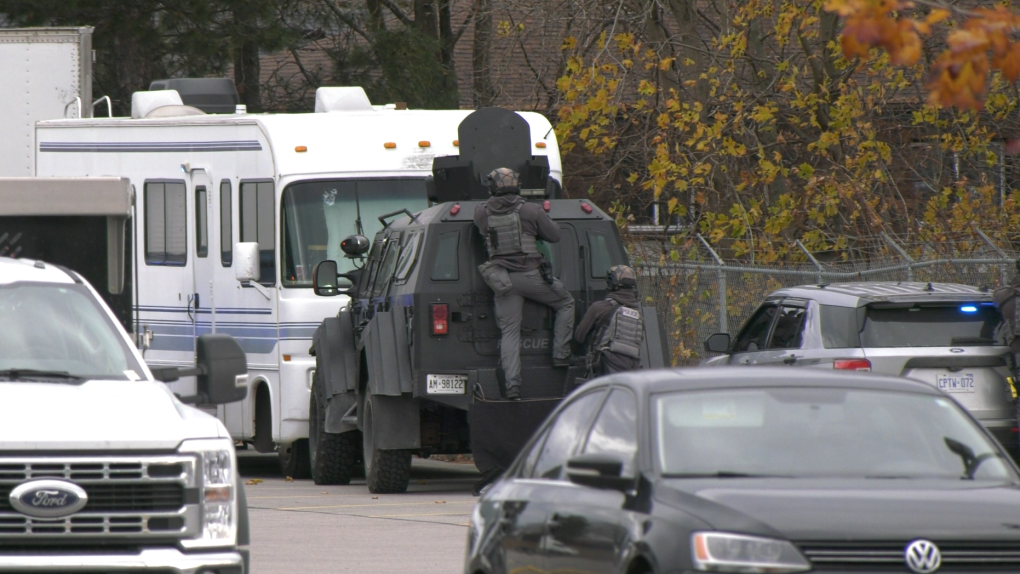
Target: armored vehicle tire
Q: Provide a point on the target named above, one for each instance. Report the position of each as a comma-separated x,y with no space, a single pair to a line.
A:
386,471
334,457
294,459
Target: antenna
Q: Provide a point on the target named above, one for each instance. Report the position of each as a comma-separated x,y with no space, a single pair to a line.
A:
357,205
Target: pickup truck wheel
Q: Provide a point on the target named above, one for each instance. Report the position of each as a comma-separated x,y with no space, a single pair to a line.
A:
334,457
386,471
294,459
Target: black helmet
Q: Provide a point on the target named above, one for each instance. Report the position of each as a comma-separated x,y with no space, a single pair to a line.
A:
621,277
502,181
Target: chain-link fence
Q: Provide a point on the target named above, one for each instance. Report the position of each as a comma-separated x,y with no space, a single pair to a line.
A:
698,292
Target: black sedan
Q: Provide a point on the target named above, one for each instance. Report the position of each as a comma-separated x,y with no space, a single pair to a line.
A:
770,471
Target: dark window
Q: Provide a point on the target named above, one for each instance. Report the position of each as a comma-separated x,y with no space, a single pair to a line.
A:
226,224
600,259
958,324
258,224
201,221
528,465
166,241
571,424
615,429
446,266
752,338
408,256
839,327
389,263
789,330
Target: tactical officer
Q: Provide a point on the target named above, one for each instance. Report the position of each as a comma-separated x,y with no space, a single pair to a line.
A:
1005,299
517,271
613,328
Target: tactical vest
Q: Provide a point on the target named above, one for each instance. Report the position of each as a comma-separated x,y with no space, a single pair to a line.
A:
506,235
625,332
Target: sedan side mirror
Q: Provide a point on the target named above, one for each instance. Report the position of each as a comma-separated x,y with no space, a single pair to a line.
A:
246,261
718,343
221,368
599,471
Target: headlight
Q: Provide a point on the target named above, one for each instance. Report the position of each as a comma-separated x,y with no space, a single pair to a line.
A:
217,473
720,552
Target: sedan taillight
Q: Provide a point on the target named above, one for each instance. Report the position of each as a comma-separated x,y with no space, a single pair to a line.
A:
440,315
852,364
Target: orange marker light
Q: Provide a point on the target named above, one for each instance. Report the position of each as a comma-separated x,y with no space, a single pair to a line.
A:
540,145
286,357
700,548
424,143
390,145
456,143
301,149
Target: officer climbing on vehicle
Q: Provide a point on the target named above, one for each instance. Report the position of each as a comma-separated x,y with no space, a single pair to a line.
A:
1005,299
613,328
517,271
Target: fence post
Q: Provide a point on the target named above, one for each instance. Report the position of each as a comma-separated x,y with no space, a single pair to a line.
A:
817,265
988,240
723,326
903,254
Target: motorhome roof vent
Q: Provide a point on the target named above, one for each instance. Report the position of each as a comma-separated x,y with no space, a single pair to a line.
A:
174,111
342,99
211,95
144,102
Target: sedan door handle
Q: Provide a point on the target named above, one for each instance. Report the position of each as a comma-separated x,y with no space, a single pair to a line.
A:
790,360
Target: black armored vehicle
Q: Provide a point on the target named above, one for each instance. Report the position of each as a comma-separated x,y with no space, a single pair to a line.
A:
411,364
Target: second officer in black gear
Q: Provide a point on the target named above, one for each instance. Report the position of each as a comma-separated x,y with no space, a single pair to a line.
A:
613,328
1007,301
511,228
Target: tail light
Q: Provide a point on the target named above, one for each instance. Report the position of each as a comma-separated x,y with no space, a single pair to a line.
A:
440,319
852,364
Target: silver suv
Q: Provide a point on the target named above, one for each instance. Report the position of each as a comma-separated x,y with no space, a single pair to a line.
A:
949,336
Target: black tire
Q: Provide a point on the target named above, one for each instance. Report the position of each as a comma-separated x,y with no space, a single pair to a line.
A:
294,459
334,457
386,471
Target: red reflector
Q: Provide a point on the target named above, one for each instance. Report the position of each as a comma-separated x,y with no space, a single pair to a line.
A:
852,364
546,205
440,312
1015,429
585,207
455,209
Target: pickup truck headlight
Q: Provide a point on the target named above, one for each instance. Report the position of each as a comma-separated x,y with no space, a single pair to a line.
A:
217,475
722,552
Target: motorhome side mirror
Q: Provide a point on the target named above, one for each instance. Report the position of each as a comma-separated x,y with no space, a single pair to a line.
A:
224,366
324,279
599,471
246,261
354,246
718,343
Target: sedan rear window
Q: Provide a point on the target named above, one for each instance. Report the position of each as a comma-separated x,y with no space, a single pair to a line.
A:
956,325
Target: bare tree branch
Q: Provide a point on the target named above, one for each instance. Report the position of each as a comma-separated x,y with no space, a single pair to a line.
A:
397,12
346,19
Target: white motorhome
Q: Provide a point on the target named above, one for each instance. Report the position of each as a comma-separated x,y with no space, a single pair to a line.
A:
209,187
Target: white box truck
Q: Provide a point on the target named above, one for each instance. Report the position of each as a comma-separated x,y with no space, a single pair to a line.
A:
47,74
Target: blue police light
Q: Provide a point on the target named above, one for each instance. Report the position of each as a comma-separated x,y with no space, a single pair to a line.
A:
968,309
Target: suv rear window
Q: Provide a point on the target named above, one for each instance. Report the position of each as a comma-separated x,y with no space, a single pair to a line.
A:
955,325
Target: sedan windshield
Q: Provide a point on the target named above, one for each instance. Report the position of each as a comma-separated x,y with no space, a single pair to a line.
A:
820,432
50,332
318,215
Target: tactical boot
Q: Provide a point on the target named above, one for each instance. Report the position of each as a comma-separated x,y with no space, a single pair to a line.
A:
513,393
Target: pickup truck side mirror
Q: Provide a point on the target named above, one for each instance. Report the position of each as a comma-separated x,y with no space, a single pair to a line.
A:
246,261
718,343
603,471
325,279
221,368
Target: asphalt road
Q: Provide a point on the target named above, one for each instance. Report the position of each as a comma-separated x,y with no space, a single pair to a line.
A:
301,527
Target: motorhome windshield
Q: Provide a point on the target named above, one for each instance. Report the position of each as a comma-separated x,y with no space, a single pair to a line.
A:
318,215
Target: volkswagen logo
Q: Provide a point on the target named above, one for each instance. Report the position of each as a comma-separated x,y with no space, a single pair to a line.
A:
922,556
48,498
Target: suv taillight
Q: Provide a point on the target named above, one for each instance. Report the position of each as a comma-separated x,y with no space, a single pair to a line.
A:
440,324
852,364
